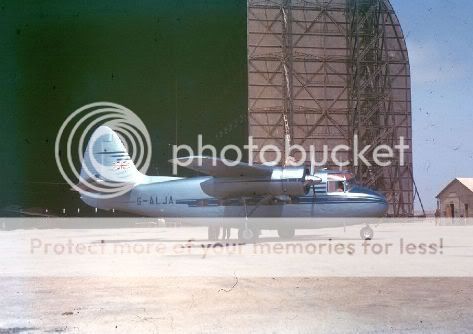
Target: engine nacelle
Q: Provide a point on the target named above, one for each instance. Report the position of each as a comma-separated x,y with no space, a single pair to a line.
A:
290,181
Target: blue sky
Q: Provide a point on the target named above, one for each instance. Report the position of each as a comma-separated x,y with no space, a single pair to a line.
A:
440,44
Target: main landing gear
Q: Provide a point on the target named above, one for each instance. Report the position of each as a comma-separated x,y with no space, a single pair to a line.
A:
213,233
286,233
248,235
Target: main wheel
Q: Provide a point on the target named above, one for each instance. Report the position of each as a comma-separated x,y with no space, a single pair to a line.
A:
286,233
366,233
213,232
247,235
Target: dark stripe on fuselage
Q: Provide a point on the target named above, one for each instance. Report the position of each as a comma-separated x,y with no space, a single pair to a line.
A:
260,180
115,152
295,201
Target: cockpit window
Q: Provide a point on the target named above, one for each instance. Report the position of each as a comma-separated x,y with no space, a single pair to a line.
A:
336,186
340,182
350,184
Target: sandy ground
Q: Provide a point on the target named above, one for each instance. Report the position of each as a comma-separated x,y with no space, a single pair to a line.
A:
398,250
89,302
332,305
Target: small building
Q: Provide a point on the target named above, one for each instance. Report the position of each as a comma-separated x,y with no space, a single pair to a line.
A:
456,199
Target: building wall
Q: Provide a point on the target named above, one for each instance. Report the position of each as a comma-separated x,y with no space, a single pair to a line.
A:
458,195
179,65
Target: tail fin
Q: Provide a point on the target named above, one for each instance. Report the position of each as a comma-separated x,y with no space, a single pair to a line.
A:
106,159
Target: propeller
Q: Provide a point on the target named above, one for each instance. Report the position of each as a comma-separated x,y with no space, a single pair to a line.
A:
310,181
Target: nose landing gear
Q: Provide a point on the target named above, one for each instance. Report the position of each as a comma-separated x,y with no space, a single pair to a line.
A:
366,233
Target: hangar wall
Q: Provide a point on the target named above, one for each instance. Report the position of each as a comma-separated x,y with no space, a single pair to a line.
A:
321,72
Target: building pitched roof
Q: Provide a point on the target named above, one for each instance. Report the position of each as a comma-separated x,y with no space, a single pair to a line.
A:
466,181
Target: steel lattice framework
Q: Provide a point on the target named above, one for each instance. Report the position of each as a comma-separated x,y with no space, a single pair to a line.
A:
320,72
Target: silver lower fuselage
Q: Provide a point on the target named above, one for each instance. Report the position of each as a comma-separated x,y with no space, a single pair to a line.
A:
185,198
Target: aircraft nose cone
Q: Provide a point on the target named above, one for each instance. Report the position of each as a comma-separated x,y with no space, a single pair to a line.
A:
383,203
380,197
377,202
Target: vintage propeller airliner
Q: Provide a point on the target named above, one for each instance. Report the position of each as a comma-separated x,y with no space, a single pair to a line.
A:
241,190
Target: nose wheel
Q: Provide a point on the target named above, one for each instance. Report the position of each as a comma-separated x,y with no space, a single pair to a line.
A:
366,233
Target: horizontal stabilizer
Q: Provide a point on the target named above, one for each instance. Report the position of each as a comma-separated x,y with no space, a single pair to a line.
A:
94,185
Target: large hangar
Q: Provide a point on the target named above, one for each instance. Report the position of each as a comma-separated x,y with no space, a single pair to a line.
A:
320,72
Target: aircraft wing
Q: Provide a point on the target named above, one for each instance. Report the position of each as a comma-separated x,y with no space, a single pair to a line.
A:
244,180
217,168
